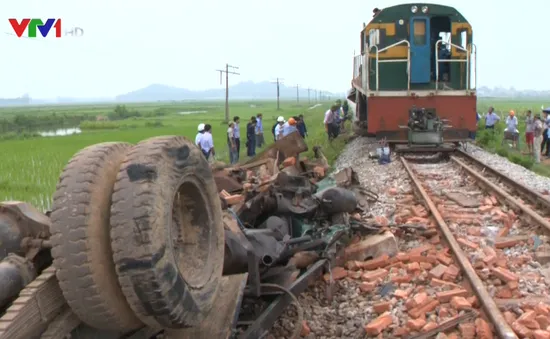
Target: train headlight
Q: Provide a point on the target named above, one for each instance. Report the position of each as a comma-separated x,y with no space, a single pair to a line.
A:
424,9
414,9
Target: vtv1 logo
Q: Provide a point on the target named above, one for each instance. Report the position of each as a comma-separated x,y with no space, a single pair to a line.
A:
33,26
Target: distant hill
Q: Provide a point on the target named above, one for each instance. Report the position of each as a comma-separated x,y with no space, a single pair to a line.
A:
243,90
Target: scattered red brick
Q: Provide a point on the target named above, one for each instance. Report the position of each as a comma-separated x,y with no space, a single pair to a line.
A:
429,326
382,307
438,271
401,294
416,324
337,274
305,329
483,329
467,243
446,296
504,275
422,310
379,324
375,275
375,263
541,334
291,161
400,332
444,259
367,287
460,303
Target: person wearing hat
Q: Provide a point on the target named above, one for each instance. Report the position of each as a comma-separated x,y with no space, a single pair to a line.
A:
231,143
537,132
512,126
199,134
207,142
278,128
289,127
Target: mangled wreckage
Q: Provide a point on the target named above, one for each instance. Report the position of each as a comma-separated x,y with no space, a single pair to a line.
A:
285,223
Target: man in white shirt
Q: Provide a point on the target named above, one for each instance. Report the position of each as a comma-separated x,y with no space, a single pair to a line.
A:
199,135
512,126
331,126
537,132
231,143
279,128
207,143
491,119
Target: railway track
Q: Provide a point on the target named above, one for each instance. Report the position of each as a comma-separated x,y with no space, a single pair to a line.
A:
485,256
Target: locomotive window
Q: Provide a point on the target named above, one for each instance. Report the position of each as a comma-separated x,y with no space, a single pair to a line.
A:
374,37
464,39
419,26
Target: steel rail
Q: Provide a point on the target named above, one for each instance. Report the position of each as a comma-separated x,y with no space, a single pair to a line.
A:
503,194
533,196
491,308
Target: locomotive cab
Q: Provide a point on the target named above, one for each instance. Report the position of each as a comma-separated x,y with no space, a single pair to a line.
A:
415,55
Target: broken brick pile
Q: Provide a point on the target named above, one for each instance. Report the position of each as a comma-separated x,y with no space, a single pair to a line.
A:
426,285
534,322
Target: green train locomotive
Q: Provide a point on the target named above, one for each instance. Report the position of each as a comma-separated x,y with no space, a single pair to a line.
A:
416,57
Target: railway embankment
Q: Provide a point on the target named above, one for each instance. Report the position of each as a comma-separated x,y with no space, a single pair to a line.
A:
429,279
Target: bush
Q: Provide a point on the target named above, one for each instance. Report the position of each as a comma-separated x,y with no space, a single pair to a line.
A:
522,161
503,152
156,123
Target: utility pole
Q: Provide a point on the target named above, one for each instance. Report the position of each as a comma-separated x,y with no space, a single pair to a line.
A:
278,82
308,96
227,72
297,94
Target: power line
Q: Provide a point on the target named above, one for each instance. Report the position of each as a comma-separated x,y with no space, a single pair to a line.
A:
297,94
278,82
227,72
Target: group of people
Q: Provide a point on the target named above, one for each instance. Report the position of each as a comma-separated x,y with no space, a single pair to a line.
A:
335,119
537,130
254,135
282,127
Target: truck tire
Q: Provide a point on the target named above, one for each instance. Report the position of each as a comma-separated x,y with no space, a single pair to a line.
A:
167,232
81,245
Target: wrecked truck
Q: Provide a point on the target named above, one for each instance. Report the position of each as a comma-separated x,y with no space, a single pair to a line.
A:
148,240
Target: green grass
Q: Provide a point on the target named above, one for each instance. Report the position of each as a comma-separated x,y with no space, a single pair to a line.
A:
30,167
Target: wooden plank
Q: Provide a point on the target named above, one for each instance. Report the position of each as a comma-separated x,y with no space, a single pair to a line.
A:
219,323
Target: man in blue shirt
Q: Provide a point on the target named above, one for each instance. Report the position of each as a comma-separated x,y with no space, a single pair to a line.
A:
301,126
491,119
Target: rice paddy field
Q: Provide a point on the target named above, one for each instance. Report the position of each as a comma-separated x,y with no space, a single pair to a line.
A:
31,165
34,149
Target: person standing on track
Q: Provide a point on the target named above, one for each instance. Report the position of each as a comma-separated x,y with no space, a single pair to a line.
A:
537,132
199,135
259,130
207,142
491,119
529,136
237,136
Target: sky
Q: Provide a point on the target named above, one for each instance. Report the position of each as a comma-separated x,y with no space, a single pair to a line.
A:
130,44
